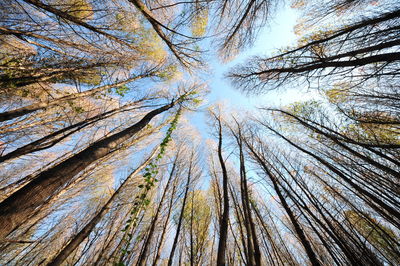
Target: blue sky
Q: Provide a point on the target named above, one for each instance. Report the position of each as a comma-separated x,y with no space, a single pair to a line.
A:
278,33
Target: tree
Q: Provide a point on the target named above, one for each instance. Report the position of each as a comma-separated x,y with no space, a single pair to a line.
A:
224,218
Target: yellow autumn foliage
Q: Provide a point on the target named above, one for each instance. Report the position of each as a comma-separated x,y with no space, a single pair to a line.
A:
199,23
81,9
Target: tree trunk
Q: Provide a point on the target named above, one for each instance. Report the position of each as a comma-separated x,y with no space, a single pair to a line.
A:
253,246
225,214
16,208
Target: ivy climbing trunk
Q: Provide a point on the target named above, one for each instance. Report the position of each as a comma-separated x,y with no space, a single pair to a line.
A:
146,244
84,233
141,200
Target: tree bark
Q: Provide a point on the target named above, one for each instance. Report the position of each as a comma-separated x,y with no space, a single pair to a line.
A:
223,234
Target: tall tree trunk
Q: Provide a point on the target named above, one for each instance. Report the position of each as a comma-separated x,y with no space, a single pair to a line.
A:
375,163
46,73
191,233
328,227
253,246
255,251
16,208
276,252
223,234
299,231
239,220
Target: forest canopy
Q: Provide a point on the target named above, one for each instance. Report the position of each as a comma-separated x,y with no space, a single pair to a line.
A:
103,163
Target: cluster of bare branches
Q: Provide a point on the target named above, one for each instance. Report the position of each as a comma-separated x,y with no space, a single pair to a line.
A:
356,53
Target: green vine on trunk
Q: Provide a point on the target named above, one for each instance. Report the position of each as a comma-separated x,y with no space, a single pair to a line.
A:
149,180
